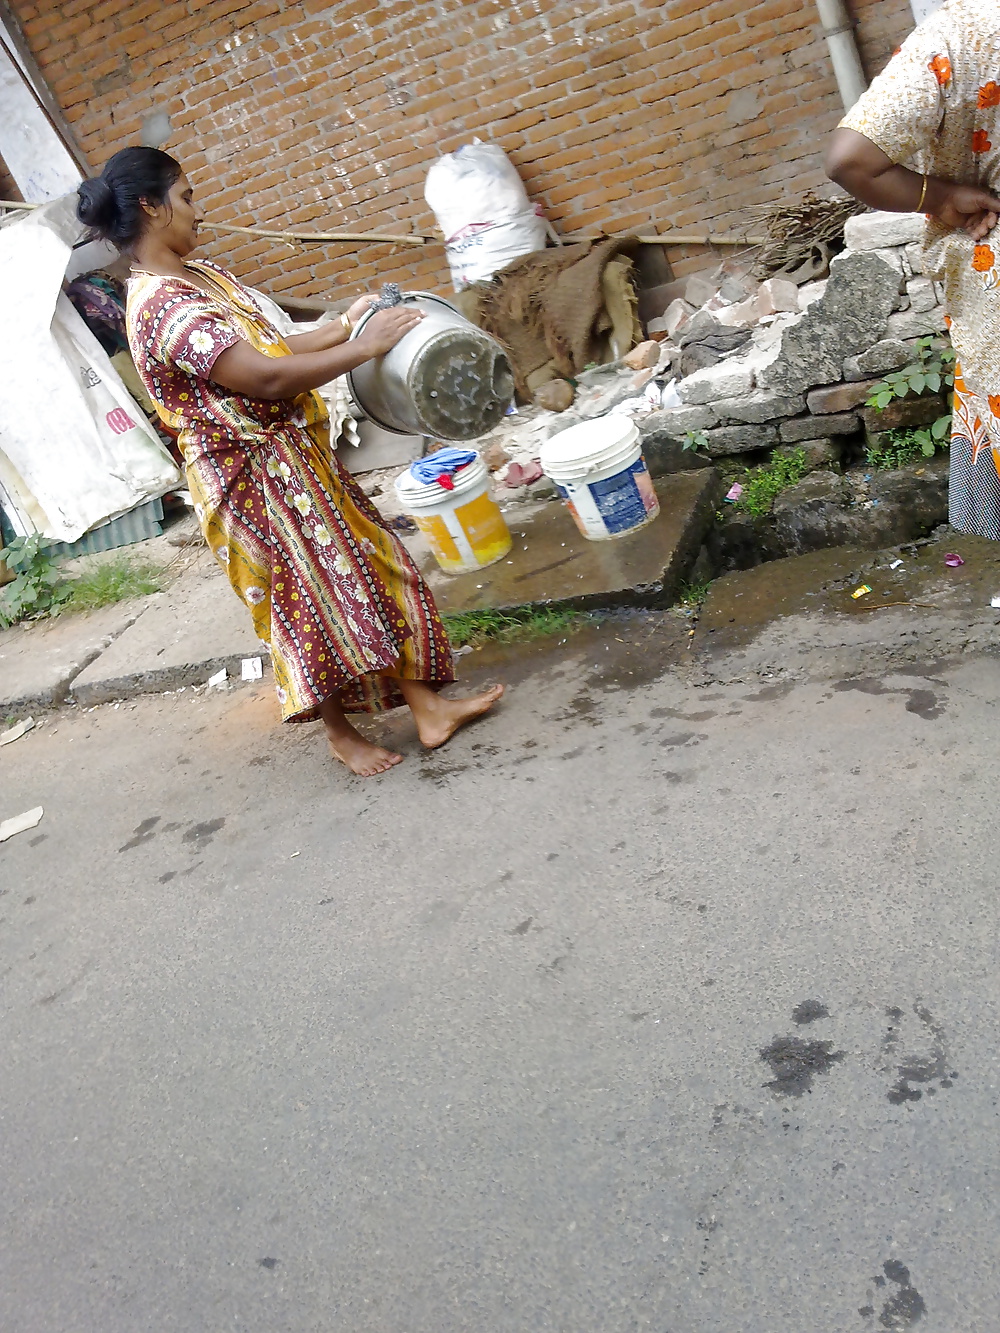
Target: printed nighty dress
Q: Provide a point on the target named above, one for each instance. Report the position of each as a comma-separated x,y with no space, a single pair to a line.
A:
331,590
936,107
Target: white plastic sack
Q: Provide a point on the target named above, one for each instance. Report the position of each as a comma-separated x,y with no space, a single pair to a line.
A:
483,209
75,450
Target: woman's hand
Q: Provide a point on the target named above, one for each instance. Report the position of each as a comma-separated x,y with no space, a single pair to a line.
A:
360,307
966,208
387,327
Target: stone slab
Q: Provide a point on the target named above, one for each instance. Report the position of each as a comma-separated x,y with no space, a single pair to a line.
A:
818,428
182,637
880,359
758,408
562,568
875,231
861,292
904,413
39,659
727,440
839,397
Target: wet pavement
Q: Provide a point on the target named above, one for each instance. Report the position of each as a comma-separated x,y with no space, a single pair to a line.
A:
650,1003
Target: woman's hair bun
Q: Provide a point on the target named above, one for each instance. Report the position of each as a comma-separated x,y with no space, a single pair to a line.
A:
96,203
111,204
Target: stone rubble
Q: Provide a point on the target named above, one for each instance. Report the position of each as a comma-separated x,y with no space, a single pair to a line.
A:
761,366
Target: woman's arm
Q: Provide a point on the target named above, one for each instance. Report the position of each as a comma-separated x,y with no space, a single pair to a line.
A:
245,370
863,170
319,340
332,334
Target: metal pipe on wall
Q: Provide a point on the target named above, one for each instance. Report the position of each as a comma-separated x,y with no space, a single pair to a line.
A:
838,29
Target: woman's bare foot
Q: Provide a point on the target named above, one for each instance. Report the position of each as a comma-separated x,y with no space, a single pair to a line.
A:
438,719
361,756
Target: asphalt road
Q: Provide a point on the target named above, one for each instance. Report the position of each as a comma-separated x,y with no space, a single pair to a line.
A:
477,1047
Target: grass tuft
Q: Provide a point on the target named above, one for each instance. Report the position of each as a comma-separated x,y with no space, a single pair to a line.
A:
474,628
763,485
691,595
112,581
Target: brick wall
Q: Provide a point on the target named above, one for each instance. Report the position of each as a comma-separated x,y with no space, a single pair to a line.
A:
319,115
8,190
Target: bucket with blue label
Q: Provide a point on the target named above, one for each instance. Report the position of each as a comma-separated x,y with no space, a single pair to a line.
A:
602,476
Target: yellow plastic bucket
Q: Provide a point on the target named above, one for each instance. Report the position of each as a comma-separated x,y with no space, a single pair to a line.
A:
464,527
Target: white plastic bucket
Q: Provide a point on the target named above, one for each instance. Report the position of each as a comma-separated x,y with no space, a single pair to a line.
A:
464,527
601,474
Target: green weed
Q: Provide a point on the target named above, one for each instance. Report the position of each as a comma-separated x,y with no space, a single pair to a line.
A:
475,628
110,581
762,485
38,588
896,448
933,365
691,595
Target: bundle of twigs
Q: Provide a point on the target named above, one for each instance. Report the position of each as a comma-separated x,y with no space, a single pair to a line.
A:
792,230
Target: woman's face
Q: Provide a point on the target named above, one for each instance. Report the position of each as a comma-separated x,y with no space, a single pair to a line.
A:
178,217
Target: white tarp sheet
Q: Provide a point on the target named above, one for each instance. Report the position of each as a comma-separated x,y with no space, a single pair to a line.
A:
75,450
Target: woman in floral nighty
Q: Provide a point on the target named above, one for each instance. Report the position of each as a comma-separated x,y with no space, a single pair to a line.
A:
936,106
351,624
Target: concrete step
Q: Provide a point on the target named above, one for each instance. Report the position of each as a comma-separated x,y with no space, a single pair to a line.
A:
559,567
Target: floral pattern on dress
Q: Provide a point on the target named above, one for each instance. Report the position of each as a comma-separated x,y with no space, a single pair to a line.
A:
279,513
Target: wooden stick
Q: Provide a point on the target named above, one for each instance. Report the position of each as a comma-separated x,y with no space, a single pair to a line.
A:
363,236
379,238
679,238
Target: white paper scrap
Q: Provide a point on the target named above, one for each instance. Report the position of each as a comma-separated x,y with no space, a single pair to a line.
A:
895,564
995,602
253,668
15,733
20,823
218,679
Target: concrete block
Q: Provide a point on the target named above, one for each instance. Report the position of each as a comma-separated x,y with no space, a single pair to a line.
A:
759,407
739,439
776,294
876,231
817,428
729,379
562,568
839,397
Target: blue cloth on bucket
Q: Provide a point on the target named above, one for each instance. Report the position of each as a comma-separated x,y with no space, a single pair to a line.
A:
445,463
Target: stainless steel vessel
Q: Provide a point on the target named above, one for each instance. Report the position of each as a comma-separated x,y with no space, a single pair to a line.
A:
445,378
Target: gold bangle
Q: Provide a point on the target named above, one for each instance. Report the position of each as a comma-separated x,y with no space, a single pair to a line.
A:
345,318
923,195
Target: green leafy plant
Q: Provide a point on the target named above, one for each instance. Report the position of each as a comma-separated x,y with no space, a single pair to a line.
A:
475,628
933,365
691,595
110,581
695,439
762,485
38,587
896,448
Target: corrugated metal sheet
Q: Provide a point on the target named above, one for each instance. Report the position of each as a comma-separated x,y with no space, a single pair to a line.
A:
136,526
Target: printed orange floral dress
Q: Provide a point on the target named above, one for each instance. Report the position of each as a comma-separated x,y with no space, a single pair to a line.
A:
936,108
331,590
